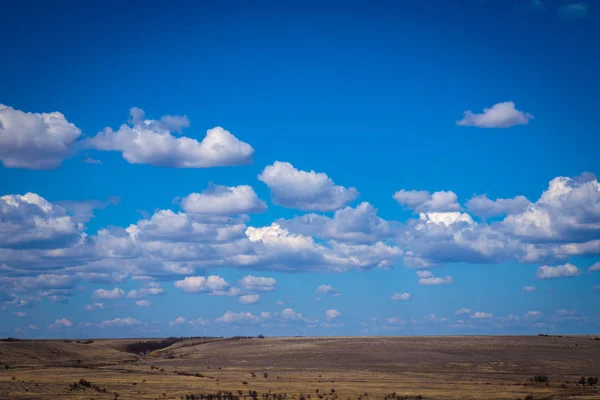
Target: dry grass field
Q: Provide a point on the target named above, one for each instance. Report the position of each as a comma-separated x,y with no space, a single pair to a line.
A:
337,368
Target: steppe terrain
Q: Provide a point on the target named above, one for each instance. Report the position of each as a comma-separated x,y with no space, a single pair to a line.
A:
333,368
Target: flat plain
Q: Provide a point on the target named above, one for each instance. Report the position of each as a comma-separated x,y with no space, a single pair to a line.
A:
328,368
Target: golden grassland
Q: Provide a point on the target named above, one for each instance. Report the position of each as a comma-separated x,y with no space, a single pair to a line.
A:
333,368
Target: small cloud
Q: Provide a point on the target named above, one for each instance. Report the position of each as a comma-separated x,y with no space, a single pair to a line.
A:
258,283
427,278
20,314
533,314
401,296
112,294
332,314
249,299
481,315
328,289
33,327
143,303
95,306
120,322
529,289
90,160
177,321
62,323
318,299
595,267
560,271
500,115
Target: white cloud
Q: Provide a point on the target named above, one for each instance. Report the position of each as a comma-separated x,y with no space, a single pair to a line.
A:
328,289
401,296
258,283
423,201
332,314
482,206
500,115
35,140
62,323
595,267
233,318
529,289
143,303
95,306
481,315
30,221
427,278
533,315
223,200
120,322
200,284
304,190
109,294
462,311
568,211
177,321
359,225
148,289
20,314
249,299
151,142
32,327
289,314
560,271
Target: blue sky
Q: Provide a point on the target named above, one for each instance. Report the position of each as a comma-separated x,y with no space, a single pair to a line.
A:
397,168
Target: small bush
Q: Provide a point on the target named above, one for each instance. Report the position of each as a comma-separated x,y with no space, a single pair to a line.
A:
592,380
540,379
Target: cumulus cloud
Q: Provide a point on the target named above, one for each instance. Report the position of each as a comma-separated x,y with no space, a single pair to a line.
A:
359,225
533,315
332,314
120,322
20,314
423,201
30,221
401,296
529,289
482,206
83,211
148,289
62,323
201,284
177,321
481,315
568,211
595,267
223,200
258,283
249,298
143,303
234,318
560,271
310,191
427,278
328,289
109,294
500,115
35,140
151,142
289,314
94,306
